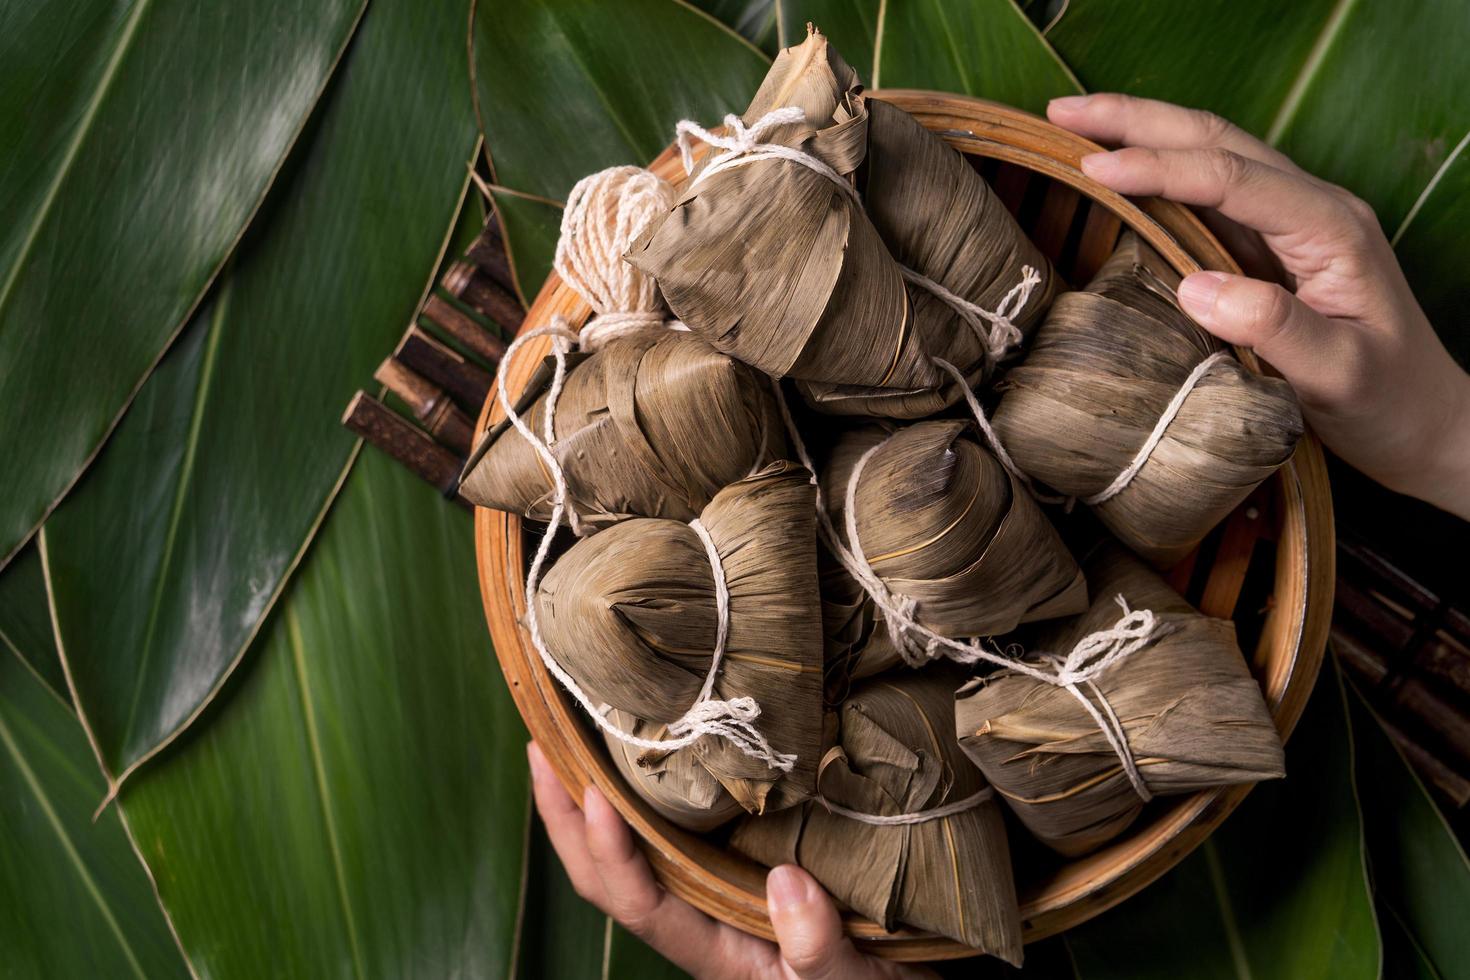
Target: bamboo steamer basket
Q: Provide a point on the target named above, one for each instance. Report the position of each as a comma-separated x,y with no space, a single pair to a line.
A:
1269,565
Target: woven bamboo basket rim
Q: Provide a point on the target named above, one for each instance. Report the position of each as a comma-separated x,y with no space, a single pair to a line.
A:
1286,661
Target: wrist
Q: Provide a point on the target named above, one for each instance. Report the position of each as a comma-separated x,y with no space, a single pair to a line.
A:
1446,472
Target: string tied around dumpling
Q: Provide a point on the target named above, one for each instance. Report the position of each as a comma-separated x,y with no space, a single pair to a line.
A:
917,644
741,145
732,720
1156,436
604,213
970,802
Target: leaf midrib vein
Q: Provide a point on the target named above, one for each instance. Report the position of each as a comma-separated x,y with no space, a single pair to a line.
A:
319,773
73,149
75,859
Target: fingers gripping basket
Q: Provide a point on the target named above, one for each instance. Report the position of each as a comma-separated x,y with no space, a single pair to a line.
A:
1274,553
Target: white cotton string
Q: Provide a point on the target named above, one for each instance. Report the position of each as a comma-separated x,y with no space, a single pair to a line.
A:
1002,334
1154,437
917,644
904,819
991,439
732,720
743,145
604,213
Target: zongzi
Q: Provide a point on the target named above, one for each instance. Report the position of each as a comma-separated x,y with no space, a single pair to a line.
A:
633,615
948,870
650,425
1190,714
1127,404
943,524
774,260
674,784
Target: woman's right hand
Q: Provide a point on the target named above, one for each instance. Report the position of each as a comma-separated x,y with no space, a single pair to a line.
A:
1374,379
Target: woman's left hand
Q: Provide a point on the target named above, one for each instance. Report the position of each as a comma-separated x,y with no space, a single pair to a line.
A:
607,869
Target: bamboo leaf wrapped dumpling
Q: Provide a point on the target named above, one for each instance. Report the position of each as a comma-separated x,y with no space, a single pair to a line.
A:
1101,377
940,218
651,425
895,756
631,614
1192,715
942,523
674,784
778,265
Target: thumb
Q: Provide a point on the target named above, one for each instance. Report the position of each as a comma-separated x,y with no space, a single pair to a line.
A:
809,930
1295,338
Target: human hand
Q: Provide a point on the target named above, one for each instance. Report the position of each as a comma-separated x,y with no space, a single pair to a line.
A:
1374,379
607,869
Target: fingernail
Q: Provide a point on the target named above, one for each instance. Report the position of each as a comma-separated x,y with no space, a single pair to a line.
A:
535,759
1197,293
1069,103
1100,165
786,888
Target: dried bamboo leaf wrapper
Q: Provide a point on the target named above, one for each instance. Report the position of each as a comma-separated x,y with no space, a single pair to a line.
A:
894,756
651,425
674,784
1193,716
630,613
940,218
777,265
1100,374
942,522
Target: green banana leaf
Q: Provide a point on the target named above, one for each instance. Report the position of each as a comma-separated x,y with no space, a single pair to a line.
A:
139,138
74,902
1431,244
173,549
1421,875
354,803
982,47
564,937
754,19
1280,890
563,90
25,620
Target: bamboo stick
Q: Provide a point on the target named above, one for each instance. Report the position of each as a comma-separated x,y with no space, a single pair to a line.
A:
488,252
470,283
429,404
463,328
400,439
467,384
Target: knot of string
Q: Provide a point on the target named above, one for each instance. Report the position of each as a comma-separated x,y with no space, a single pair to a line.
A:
741,145
917,644
904,819
604,213
733,720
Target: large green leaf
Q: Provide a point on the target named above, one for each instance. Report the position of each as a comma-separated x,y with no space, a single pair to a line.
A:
1421,875
172,550
1280,890
354,804
1432,246
25,621
756,20
565,89
980,47
74,902
1363,94
531,229
139,137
